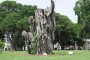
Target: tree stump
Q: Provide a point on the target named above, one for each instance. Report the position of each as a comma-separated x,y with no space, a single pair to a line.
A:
44,27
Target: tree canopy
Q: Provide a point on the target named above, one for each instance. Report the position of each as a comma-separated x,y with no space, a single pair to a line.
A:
82,10
14,18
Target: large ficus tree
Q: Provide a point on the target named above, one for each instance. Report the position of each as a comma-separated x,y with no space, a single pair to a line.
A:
13,19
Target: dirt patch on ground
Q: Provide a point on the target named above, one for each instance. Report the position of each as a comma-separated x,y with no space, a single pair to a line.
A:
41,55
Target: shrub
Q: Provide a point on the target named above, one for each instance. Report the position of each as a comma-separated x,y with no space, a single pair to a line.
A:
33,49
1,43
1,46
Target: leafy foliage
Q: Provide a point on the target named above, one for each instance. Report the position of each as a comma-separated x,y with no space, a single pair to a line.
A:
1,43
82,10
63,25
14,16
67,31
33,49
13,19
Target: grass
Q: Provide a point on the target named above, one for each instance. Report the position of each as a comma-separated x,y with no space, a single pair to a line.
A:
59,55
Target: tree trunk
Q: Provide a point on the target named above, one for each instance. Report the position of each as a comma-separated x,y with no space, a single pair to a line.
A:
44,26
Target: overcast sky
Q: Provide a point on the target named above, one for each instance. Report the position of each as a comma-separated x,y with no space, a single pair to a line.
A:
64,7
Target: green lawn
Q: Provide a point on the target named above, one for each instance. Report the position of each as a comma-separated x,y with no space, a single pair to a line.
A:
60,55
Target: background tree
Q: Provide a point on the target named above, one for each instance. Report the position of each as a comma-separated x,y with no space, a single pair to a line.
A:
67,32
63,24
13,19
75,33
82,10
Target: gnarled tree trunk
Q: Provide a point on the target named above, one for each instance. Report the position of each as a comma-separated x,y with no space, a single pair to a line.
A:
44,26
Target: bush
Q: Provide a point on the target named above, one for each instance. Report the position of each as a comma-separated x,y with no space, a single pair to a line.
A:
33,49
1,43
1,46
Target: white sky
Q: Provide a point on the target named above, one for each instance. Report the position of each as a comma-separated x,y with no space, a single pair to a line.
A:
64,7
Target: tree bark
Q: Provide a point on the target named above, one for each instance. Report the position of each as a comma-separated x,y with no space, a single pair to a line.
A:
44,26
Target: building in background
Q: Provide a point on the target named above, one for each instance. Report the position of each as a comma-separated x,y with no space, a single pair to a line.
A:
87,44
7,43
